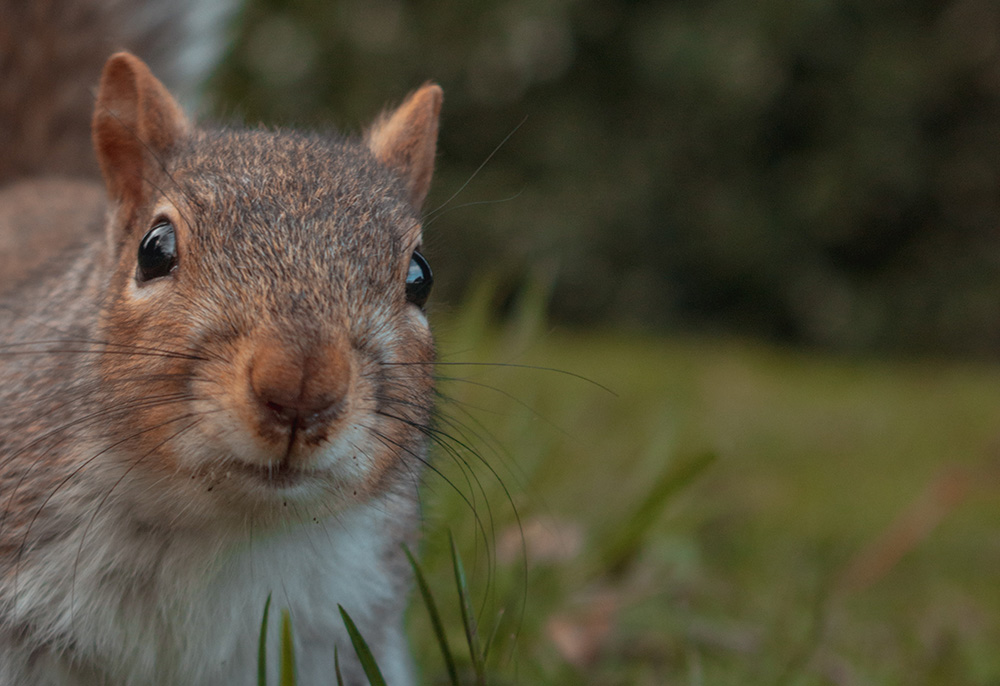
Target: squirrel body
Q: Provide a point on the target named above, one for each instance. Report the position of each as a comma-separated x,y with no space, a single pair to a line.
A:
215,386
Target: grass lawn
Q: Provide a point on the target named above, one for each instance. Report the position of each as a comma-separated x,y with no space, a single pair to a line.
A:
731,514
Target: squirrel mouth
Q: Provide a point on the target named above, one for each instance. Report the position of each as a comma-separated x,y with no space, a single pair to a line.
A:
275,475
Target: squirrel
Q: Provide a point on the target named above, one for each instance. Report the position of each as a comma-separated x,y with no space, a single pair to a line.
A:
216,381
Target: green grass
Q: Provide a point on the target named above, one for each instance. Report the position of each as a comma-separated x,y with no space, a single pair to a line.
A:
728,513
705,514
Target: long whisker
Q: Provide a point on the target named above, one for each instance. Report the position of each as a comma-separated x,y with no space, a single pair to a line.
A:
475,203
430,215
449,443
79,468
106,348
388,442
510,365
121,410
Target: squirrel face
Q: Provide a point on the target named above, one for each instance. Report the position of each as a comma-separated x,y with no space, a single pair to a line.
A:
278,278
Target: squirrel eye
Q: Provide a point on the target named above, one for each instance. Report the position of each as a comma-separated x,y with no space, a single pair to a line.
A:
418,280
157,252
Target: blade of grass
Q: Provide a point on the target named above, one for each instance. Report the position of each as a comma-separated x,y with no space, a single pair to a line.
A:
336,666
468,619
493,635
262,646
629,538
432,611
364,653
287,651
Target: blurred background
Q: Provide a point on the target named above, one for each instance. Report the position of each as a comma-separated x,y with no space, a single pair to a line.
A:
772,230
821,173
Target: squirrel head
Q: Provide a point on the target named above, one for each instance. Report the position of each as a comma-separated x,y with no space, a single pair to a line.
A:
266,292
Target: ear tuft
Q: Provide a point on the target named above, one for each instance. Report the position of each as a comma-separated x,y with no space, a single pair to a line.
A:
136,123
405,140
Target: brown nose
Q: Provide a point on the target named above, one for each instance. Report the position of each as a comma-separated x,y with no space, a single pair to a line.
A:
300,388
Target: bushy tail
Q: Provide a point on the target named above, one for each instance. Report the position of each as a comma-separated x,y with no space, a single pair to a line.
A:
51,53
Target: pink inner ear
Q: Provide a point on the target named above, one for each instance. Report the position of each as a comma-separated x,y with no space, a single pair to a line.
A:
136,122
406,140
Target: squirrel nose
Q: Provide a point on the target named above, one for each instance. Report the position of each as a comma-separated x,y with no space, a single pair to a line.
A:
299,389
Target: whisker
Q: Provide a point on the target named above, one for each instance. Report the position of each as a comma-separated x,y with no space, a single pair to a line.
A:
117,349
76,423
449,210
76,471
534,413
449,443
510,365
389,443
436,210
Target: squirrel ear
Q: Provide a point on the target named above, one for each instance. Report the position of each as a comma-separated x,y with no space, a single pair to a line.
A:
405,140
136,122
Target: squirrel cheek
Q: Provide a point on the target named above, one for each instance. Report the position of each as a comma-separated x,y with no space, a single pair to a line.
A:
219,387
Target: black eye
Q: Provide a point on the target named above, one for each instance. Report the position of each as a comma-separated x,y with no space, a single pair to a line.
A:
157,252
418,280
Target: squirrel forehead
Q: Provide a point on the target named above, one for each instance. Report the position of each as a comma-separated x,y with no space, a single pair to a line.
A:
271,211
290,173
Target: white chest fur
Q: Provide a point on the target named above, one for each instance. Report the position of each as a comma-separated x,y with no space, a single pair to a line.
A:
138,610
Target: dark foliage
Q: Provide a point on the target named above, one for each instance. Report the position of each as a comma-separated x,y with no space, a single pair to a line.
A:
822,172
